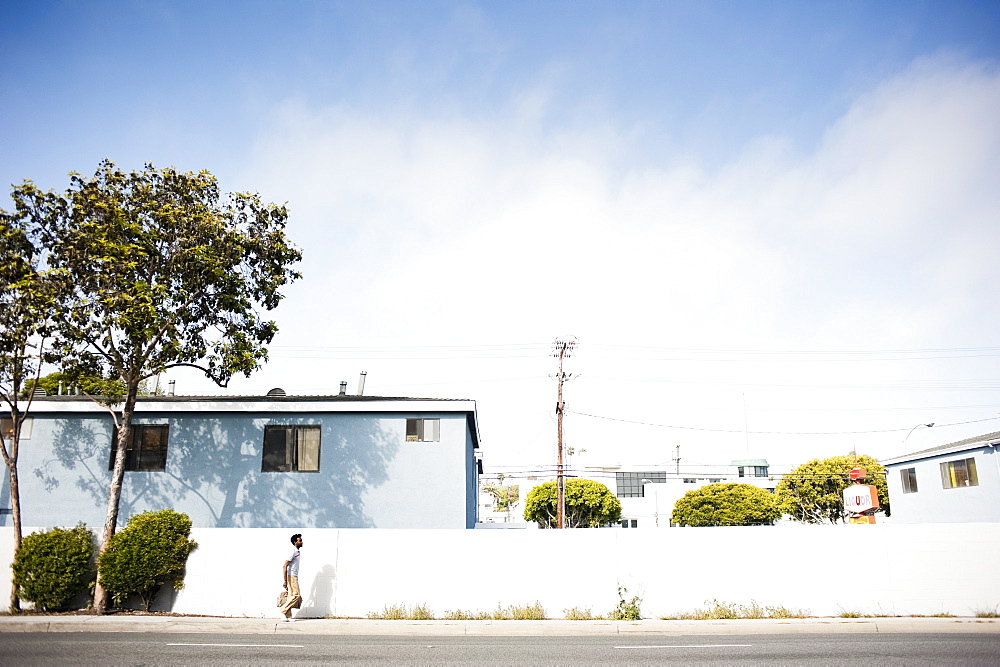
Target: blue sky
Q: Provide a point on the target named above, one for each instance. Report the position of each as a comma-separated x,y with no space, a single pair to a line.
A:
761,220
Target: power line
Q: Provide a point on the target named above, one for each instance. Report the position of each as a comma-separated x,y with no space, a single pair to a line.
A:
720,430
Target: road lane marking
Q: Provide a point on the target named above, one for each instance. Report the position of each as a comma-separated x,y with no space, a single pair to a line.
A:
246,645
693,646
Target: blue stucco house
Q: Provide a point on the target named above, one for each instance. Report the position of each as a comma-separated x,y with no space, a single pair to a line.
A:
256,461
955,483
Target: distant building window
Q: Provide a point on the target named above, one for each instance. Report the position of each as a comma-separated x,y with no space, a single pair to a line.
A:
753,471
956,474
630,484
690,480
7,428
629,523
715,480
423,430
291,449
909,478
146,449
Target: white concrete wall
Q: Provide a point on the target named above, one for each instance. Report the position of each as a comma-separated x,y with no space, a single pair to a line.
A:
885,568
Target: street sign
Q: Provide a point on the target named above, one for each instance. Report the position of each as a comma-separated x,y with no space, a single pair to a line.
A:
860,498
858,474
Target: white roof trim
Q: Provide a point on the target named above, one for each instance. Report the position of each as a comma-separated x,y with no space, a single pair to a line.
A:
944,451
41,406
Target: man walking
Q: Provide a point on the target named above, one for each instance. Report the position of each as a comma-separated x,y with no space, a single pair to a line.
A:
290,577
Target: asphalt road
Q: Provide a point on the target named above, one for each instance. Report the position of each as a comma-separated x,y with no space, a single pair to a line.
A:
85,648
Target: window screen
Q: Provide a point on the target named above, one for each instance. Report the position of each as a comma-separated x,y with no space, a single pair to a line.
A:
423,430
955,474
146,449
291,449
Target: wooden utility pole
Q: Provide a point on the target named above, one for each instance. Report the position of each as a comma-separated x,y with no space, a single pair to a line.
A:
561,349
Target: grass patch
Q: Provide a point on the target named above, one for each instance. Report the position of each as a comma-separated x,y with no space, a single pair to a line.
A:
577,614
400,612
514,612
717,610
528,612
987,612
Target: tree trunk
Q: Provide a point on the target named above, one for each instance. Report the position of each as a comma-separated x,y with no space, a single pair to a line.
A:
115,492
15,505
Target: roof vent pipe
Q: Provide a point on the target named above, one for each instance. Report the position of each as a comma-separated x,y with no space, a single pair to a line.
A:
173,388
361,383
343,388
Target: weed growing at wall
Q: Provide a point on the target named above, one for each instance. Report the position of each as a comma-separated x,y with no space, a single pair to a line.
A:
150,551
400,612
717,610
54,567
627,610
577,614
988,612
514,612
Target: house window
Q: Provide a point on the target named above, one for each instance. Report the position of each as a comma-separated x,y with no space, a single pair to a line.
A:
909,478
629,523
955,474
7,428
290,449
629,484
423,430
146,448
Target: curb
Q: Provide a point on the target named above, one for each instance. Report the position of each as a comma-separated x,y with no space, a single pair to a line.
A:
362,627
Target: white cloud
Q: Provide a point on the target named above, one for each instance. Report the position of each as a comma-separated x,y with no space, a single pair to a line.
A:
465,230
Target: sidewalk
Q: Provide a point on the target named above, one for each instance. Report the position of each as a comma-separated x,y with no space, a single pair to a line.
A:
322,626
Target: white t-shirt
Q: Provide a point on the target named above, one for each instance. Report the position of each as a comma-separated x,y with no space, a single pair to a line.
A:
293,564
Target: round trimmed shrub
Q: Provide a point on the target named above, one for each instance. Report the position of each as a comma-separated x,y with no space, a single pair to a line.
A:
150,551
53,567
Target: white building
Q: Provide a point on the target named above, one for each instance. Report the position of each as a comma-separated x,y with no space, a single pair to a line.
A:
956,483
648,493
256,461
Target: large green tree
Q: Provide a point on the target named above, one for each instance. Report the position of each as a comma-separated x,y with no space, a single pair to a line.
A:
25,326
726,504
61,383
813,492
157,269
589,504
